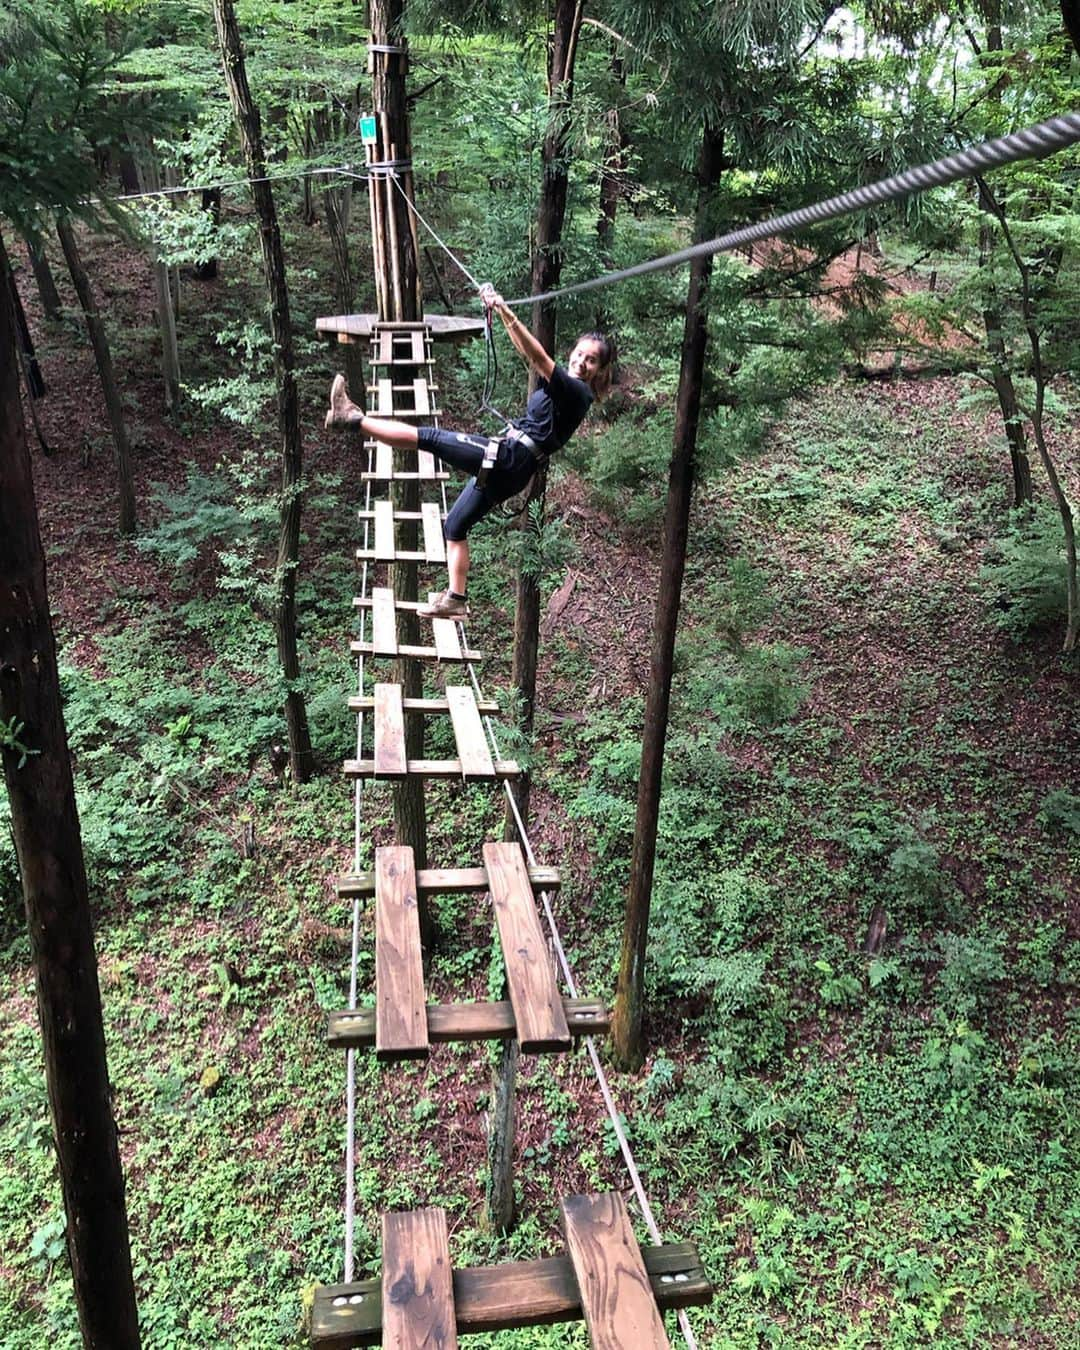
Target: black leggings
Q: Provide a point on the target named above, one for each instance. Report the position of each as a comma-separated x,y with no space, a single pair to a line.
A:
513,468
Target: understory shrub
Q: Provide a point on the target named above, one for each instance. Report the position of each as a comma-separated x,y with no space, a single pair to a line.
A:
1026,571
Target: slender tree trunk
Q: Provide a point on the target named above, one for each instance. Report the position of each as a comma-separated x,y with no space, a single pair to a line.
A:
247,120
614,167
150,181
37,769
337,210
211,204
46,286
400,300
630,992
995,342
546,265
35,381
100,343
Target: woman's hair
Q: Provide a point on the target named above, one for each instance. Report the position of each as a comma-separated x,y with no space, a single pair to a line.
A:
601,382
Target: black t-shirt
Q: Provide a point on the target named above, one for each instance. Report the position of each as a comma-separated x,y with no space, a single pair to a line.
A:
555,411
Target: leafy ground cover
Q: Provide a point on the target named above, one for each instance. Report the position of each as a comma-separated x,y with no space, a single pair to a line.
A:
861,1092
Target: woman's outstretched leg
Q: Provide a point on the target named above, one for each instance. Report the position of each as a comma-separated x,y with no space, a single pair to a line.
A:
345,413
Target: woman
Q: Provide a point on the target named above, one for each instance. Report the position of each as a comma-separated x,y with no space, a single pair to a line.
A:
552,415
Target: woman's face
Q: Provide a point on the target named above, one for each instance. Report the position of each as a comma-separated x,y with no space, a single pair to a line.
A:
586,360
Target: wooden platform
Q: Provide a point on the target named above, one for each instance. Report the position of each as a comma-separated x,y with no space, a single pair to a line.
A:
520,1293
384,639
359,327
474,761
384,471
402,1023
447,881
384,546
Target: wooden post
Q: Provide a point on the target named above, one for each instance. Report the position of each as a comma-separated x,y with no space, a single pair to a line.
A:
630,992
247,121
396,267
44,821
50,297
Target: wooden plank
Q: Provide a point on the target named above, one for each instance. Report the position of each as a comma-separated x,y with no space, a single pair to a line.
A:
419,348
399,555
400,1001
417,1282
616,1296
446,636
442,327
384,459
529,977
434,543
421,398
365,703
420,653
354,1028
385,404
472,746
389,759
499,1298
427,768
386,347
425,464
401,476
447,881
383,622
384,532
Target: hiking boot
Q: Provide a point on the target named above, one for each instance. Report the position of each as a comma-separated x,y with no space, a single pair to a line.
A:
444,606
343,412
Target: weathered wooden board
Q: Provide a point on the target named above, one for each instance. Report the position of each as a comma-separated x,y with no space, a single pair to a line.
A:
434,543
420,653
421,398
389,759
529,978
384,406
400,1001
383,621
386,347
366,703
497,1298
419,348
448,881
417,1282
384,460
472,746
354,1028
446,636
427,768
616,1295
384,531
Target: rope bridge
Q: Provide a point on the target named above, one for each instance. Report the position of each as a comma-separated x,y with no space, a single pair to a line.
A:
620,1288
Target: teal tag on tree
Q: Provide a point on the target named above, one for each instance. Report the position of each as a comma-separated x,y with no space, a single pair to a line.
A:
368,134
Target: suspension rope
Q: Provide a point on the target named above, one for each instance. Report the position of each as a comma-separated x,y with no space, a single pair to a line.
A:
590,1044
358,792
334,170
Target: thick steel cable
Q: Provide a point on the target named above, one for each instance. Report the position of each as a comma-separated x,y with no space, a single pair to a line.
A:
590,1044
1031,143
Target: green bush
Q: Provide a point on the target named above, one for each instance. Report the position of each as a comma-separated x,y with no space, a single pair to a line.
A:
1026,572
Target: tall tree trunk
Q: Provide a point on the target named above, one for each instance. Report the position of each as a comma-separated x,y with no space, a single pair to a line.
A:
995,342
630,992
37,769
400,300
247,120
43,277
35,381
546,266
146,165
613,168
102,355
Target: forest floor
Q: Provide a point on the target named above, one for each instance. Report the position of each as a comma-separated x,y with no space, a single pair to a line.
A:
860,1096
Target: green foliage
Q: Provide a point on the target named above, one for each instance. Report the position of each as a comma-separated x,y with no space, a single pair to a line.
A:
1026,573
